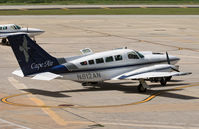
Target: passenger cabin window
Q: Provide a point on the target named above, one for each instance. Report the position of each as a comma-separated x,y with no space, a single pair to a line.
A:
118,57
83,63
91,62
109,59
132,55
5,28
99,60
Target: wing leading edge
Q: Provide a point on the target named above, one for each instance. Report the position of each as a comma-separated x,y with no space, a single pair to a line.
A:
155,71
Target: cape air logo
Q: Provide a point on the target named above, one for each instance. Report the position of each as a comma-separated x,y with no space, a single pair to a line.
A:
24,48
38,66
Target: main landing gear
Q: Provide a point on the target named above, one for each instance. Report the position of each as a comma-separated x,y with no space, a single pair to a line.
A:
5,42
164,80
92,84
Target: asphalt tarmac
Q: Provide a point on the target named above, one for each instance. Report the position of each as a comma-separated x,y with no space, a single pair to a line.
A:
62,104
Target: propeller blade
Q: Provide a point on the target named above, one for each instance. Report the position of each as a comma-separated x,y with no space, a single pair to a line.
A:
27,29
168,60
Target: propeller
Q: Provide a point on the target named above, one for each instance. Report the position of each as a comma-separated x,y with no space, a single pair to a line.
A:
168,60
27,28
173,67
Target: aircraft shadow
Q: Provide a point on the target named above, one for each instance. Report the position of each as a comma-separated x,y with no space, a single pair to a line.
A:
45,93
119,87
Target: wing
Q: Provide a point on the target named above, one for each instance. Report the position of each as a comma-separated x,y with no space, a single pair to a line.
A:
165,70
9,34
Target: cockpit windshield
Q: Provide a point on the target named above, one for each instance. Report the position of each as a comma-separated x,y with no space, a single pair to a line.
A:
139,54
16,27
135,55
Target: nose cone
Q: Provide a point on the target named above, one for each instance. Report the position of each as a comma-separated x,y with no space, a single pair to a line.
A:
35,31
32,31
174,59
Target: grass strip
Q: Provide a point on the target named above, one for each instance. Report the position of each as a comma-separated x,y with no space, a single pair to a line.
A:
90,2
121,11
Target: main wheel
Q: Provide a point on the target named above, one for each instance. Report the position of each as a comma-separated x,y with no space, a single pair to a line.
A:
141,88
84,84
169,78
4,41
163,81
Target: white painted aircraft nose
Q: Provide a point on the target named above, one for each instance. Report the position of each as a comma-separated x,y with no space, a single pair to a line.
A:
174,59
36,30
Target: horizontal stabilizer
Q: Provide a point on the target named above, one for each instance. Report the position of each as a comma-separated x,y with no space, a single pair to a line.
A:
46,76
18,72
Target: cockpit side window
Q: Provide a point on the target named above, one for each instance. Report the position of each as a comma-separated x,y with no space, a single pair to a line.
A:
14,27
1,28
132,55
118,57
109,59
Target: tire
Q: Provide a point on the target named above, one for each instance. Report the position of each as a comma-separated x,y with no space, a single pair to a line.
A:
4,41
169,78
141,88
84,84
163,81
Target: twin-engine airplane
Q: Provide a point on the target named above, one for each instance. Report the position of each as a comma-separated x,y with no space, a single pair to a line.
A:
91,68
12,28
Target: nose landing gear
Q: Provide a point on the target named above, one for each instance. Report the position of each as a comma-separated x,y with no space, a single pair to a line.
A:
142,87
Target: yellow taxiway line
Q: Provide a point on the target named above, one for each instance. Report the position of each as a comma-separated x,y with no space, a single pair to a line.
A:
41,104
60,121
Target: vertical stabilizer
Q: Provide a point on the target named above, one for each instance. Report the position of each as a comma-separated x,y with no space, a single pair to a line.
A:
30,56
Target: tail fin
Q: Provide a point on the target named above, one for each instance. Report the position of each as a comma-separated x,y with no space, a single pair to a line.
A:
30,56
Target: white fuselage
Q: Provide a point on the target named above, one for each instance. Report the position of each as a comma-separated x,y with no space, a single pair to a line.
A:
12,28
97,67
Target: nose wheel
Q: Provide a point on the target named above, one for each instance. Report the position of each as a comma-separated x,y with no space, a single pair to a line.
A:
164,80
141,88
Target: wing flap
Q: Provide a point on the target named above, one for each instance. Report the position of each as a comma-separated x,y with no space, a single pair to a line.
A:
46,76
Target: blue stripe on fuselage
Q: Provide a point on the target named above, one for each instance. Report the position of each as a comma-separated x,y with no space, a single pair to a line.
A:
59,69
